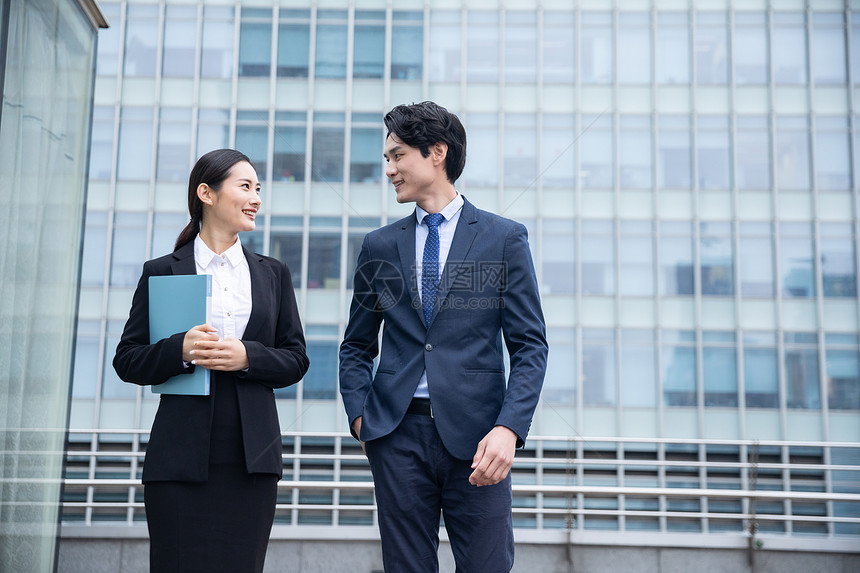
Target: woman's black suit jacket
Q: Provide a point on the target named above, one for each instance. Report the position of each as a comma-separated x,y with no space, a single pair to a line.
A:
178,447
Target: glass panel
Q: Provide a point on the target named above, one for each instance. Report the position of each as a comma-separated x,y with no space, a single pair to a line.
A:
750,48
833,155
174,145
320,383
761,371
559,47
366,156
801,371
720,376
789,47
95,246
216,60
369,50
558,151
286,246
673,48
180,41
753,153
713,154
598,257
792,153
558,249
331,45
717,255
597,49
596,152
101,143
756,260
328,152
135,143
796,260
560,384
598,367
482,50
674,168
679,371
521,146
128,249
676,259
253,140
838,260
445,46
843,378
521,47
482,168
407,46
289,162
294,38
141,41
255,42
108,45
638,369
634,48
213,130
324,260
635,152
828,48
637,259
711,48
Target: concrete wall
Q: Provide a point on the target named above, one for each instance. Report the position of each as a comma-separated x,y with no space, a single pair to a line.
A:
131,556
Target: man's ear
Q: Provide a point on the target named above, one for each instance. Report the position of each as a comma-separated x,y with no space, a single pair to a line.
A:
439,151
204,193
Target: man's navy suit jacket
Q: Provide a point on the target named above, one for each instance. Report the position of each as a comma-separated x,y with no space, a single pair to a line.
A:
179,441
487,293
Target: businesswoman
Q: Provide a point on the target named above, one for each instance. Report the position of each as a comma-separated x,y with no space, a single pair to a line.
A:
213,462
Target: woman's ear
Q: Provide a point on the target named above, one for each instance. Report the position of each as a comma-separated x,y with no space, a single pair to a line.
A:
204,193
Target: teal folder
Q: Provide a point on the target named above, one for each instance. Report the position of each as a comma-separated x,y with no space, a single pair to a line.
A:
176,304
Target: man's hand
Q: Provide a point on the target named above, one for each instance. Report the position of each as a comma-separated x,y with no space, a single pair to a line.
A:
494,457
356,427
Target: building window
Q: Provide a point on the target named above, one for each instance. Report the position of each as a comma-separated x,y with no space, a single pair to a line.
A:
752,157
289,159
827,49
720,369
711,48
324,254
407,45
255,42
679,367
716,250
482,49
838,260
801,370
101,146
634,47
174,145
638,369
521,144
796,260
676,259
557,156
674,169
252,138
320,382
833,154
635,152
294,43
713,155
213,130
285,244
141,41
843,372
561,374
596,152
331,44
369,44
559,47
673,48
180,41
792,153
756,259
598,367
521,47
558,250
445,58
129,248
636,273
750,48
482,168
598,257
135,144
365,158
108,44
216,59
761,370
597,55
95,245
328,145
789,47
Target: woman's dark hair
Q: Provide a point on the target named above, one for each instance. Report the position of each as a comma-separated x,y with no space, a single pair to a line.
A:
212,169
422,125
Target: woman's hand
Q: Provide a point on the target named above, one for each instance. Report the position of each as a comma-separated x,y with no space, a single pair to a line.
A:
207,351
192,337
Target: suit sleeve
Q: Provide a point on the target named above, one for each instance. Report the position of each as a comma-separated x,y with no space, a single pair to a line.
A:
361,339
524,332
286,362
136,360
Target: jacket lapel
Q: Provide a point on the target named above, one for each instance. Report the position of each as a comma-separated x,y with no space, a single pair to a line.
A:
259,294
406,251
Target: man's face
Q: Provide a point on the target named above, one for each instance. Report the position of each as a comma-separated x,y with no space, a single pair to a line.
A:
414,177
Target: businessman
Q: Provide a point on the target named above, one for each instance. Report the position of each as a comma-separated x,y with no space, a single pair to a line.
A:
437,419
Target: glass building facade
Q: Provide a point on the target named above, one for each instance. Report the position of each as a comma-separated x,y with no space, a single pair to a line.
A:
687,171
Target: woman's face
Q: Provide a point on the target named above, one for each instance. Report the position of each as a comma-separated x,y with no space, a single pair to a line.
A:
235,205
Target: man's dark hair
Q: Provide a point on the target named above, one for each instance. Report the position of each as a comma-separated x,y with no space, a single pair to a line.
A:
422,125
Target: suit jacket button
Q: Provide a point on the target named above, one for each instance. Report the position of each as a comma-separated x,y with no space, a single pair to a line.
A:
428,347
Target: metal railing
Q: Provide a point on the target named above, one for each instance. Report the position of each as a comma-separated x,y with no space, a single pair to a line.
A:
614,491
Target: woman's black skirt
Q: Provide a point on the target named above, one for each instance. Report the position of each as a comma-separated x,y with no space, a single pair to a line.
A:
221,525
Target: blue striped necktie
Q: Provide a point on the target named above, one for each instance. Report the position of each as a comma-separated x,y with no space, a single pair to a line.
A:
430,265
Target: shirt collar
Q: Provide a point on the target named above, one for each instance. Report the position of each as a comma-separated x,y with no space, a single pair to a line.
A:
203,255
447,212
